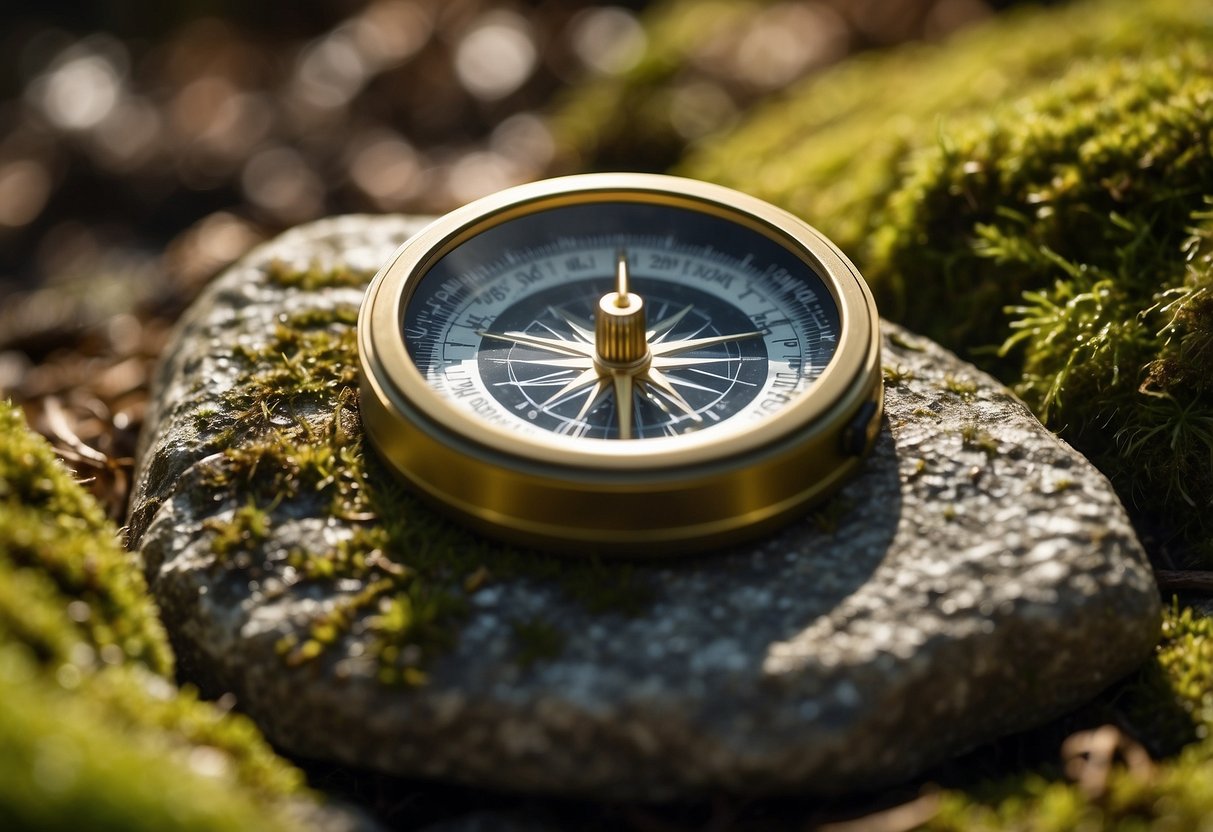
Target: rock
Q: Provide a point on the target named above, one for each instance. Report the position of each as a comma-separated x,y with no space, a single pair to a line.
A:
976,578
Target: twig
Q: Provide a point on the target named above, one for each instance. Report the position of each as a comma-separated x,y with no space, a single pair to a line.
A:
901,818
1171,580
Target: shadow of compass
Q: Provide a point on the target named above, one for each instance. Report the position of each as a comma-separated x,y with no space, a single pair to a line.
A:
706,667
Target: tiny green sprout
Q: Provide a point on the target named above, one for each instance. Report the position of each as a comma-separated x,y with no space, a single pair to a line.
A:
974,437
244,532
896,375
963,388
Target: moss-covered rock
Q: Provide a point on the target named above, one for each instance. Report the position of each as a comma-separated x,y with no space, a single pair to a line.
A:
91,730
359,625
1034,193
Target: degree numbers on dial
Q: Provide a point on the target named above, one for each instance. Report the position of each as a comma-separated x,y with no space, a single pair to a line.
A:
736,328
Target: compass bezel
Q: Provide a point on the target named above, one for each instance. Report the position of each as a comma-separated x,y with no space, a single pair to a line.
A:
495,476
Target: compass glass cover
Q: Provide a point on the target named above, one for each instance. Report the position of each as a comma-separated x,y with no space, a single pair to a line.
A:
737,325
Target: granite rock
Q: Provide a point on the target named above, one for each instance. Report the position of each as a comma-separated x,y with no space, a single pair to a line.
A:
977,577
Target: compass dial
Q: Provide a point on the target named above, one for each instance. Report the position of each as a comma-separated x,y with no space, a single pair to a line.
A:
556,387
616,360
733,334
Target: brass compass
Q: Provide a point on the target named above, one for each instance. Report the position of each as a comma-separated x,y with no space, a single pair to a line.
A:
620,363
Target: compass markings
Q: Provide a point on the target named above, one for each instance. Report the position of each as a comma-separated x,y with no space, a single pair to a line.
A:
664,328
729,379
553,344
574,352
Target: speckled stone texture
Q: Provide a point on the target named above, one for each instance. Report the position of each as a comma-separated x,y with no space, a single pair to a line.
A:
978,577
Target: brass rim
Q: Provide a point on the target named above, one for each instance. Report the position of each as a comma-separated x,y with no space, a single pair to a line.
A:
612,495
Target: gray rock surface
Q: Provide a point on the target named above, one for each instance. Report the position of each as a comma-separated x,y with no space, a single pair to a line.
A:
978,577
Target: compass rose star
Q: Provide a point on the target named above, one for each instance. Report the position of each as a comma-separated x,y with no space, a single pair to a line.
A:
592,358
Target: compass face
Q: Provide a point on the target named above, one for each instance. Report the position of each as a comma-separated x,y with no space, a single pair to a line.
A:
620,364
736,325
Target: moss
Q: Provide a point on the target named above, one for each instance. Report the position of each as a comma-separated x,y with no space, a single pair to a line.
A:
316,277
307,364
833,148
835,139
1050,222
65,583
1167,701
297,447
90,728
123,750
974,437
1073,243
964,389
896,375
248,528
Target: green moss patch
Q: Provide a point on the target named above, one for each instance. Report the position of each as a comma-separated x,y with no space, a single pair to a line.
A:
834,148
294,446
90,728
124,750
1118,786
315,277
1034,194
66,585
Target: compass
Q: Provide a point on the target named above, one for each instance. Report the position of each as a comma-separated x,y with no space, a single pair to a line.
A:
620,363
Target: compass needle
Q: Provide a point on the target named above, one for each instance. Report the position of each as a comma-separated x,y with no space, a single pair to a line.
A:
620,363
664,328
669,362
552,344
586,378
623,403
676,347
592,399
662,382
583,328
570,363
